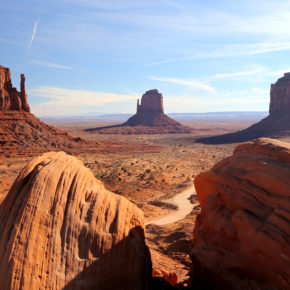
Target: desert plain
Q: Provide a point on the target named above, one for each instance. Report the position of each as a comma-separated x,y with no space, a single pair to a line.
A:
149,170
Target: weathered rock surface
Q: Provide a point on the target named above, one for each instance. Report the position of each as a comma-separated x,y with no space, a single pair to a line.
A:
152,101
276,124
10,98
61,229
149,119
241,237
280,96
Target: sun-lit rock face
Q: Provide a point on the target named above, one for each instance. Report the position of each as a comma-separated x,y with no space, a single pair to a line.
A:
61,229
152,101
150,113
241,237
280,96
10,98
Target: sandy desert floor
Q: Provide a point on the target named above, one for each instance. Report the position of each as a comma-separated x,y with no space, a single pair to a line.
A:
149,171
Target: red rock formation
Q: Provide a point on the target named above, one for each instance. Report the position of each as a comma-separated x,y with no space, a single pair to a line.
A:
61,229
280,96
149,119
152,101
241,237
10,98
21,132
170,277
276,124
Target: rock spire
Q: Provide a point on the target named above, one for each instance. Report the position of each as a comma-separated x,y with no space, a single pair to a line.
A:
10,98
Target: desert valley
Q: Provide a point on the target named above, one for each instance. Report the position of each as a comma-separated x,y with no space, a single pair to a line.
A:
147,203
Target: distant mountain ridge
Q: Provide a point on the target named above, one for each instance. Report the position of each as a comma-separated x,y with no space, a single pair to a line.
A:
234,115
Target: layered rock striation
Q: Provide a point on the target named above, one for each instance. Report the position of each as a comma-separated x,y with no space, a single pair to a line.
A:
61,229
241,237
10,98
277,124
149,119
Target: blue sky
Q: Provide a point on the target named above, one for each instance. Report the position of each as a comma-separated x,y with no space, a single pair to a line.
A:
99,56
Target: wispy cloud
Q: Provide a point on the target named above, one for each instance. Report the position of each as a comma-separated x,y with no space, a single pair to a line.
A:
62,101
33,35
234,75
185,82
51,64
174,4
226,51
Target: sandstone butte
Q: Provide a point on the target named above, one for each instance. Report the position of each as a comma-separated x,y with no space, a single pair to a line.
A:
149,119
61,229
276,124
20,131
241,236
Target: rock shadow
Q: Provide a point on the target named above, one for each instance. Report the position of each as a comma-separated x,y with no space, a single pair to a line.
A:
273,126
127,265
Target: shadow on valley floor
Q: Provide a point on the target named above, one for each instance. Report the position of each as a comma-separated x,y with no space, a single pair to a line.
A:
273,126
105,127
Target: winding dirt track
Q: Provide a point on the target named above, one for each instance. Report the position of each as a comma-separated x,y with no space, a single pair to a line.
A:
184,207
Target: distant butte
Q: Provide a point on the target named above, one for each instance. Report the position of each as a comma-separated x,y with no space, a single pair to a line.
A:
149,119
277,124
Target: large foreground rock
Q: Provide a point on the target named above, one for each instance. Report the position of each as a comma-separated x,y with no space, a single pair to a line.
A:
241,237
61,229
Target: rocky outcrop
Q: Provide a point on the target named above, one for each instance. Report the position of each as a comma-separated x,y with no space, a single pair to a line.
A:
280,96
21,133
10,98
241,237
151,113
61,229
149,119
151,102
276,124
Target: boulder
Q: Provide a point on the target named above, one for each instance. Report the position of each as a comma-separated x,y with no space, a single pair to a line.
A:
241,236
61,229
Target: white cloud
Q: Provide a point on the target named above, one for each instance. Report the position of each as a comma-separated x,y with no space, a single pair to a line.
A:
252,100
185,82
51,64
33,35
68,101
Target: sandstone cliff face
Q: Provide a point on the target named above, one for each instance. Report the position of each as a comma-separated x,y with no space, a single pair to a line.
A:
10,98
280,96
276,124
152,101
61,229
151,114
241,237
